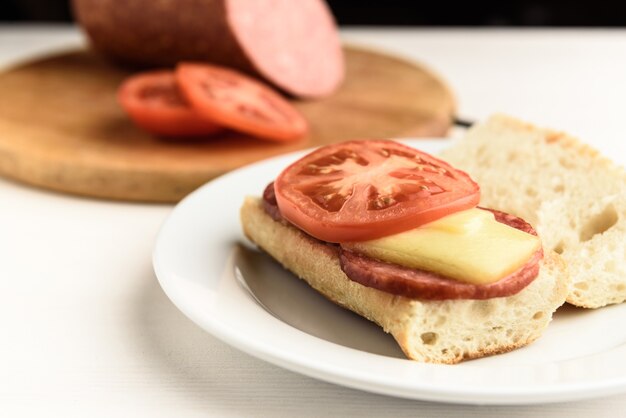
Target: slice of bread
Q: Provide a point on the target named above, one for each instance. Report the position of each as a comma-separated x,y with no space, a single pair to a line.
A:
574,197
446,331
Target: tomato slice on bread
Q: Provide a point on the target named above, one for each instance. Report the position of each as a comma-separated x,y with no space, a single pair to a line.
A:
154,103
239,102
360,190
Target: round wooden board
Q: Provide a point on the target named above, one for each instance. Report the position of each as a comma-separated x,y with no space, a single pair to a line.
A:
61,127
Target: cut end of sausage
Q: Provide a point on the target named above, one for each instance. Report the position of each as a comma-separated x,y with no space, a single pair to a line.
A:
293,44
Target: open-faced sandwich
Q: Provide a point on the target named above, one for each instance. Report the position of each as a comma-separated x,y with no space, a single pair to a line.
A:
397,236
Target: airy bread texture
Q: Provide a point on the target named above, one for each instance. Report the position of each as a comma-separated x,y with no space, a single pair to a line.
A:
446,331
574,197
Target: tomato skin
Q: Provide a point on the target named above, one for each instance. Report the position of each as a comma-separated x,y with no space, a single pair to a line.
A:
239,102
336,204
153,102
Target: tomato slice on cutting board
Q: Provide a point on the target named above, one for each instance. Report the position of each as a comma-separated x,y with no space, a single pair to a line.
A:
240,102
154,103
362,190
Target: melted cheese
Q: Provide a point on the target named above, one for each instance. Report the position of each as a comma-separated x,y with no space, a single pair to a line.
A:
469,246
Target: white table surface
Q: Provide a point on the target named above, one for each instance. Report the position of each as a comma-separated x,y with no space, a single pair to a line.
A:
85,329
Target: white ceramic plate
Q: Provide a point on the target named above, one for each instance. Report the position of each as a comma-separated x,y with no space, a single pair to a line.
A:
213,275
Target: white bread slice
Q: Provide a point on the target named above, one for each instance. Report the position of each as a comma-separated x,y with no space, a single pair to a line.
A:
573,196
430,331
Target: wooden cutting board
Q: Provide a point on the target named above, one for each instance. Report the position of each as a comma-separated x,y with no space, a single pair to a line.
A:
61,127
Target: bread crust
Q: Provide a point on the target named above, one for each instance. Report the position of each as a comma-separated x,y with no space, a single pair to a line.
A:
446,331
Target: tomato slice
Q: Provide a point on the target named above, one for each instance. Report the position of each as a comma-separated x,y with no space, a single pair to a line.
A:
362,190
239,102
153,102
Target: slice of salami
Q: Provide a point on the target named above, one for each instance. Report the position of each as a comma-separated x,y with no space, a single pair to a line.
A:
420,284
270,205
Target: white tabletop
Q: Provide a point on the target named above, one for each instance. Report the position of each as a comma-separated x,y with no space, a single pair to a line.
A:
86,330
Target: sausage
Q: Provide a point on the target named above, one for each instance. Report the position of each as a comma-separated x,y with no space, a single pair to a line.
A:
292,44
421,284
270,205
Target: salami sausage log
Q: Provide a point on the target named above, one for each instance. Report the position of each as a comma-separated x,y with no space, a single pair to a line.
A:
293,44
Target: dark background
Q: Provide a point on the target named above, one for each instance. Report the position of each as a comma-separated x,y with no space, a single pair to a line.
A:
404,12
